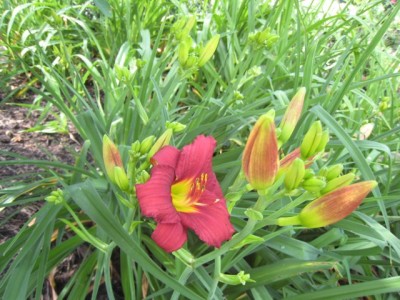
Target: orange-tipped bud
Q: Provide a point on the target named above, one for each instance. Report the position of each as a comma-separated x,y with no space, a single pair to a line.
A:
260,157
113,164
332,207
292,116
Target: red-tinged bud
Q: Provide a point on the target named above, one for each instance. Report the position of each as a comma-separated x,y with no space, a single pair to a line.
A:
111,157
260,157
332,207
291,116
113,164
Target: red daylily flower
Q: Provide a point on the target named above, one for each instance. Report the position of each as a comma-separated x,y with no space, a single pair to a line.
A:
183,193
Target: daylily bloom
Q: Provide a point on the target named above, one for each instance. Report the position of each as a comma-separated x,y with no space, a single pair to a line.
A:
183,193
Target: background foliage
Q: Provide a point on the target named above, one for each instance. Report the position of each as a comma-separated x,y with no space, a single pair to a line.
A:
111,67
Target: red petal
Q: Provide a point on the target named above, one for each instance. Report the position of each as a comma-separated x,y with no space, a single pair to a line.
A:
154,196
167,156
211,221
170,237
196,158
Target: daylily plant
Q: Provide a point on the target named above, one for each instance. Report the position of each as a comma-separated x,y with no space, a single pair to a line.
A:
183,193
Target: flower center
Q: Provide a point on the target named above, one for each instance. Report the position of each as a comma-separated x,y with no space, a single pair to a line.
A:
186,193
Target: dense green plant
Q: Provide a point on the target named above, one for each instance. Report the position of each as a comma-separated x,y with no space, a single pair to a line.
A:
130,70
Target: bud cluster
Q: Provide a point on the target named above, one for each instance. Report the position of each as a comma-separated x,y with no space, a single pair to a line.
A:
335,196
189,54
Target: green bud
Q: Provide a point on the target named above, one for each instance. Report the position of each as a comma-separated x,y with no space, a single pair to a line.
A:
333,171
291,116
309,174
191,62
311,140
338,183
323,171
324,141
121,179
142,177
135,147
146,144
240,278
294,174
162,141
314,184
56,197
175,126
183,50
208,51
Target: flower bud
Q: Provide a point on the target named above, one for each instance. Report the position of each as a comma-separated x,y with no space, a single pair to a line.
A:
162,141
146,144
332,207
175,126
56,197
314,184
260,157
324,141
294,174
291,116
331,172
113,164
208,50
338,183
311,140
121,179
183,52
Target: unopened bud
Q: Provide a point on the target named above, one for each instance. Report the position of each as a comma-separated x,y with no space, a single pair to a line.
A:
314,184
311,140
175,126
121,179
146,144
324,141
56,197
260,157
162,141
333,171
291,116
332,207
208,51
338,182
113,164
294,175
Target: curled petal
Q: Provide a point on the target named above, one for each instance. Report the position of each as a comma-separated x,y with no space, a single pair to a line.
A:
154,196
211,221
167,156
169,236
196,158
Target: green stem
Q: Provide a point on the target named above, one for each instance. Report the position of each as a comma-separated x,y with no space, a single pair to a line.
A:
286,221
217,271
